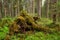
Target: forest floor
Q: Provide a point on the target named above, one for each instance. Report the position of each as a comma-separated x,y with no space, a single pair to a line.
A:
26,27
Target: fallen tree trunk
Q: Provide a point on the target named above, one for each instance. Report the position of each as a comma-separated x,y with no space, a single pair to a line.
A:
26,23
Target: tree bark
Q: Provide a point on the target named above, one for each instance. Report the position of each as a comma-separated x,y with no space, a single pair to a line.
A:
53,10
39,5
48,1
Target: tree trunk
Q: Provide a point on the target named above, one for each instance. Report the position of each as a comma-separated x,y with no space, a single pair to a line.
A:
33,7
39,5
48,1
53,10
0,9
18,8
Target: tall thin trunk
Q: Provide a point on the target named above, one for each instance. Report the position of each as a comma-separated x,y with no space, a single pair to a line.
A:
33,7
18,8
0,13
39,5
29,6
10,9
57,12
48,1
12,12
0,9
53,10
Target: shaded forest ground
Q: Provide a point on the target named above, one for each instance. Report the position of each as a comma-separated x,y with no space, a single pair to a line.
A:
26,27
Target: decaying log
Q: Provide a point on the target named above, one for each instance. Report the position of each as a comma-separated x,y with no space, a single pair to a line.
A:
25,23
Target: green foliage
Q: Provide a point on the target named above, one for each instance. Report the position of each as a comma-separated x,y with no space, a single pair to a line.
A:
43,36
44,21
6,21
4,29
14,38
3,32
37,36
32,38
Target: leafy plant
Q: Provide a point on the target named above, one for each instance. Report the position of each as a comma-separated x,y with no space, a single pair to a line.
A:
3,32
44,21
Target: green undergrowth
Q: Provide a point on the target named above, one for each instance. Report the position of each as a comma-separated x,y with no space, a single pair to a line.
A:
44,21
43,36
37,36
4,30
